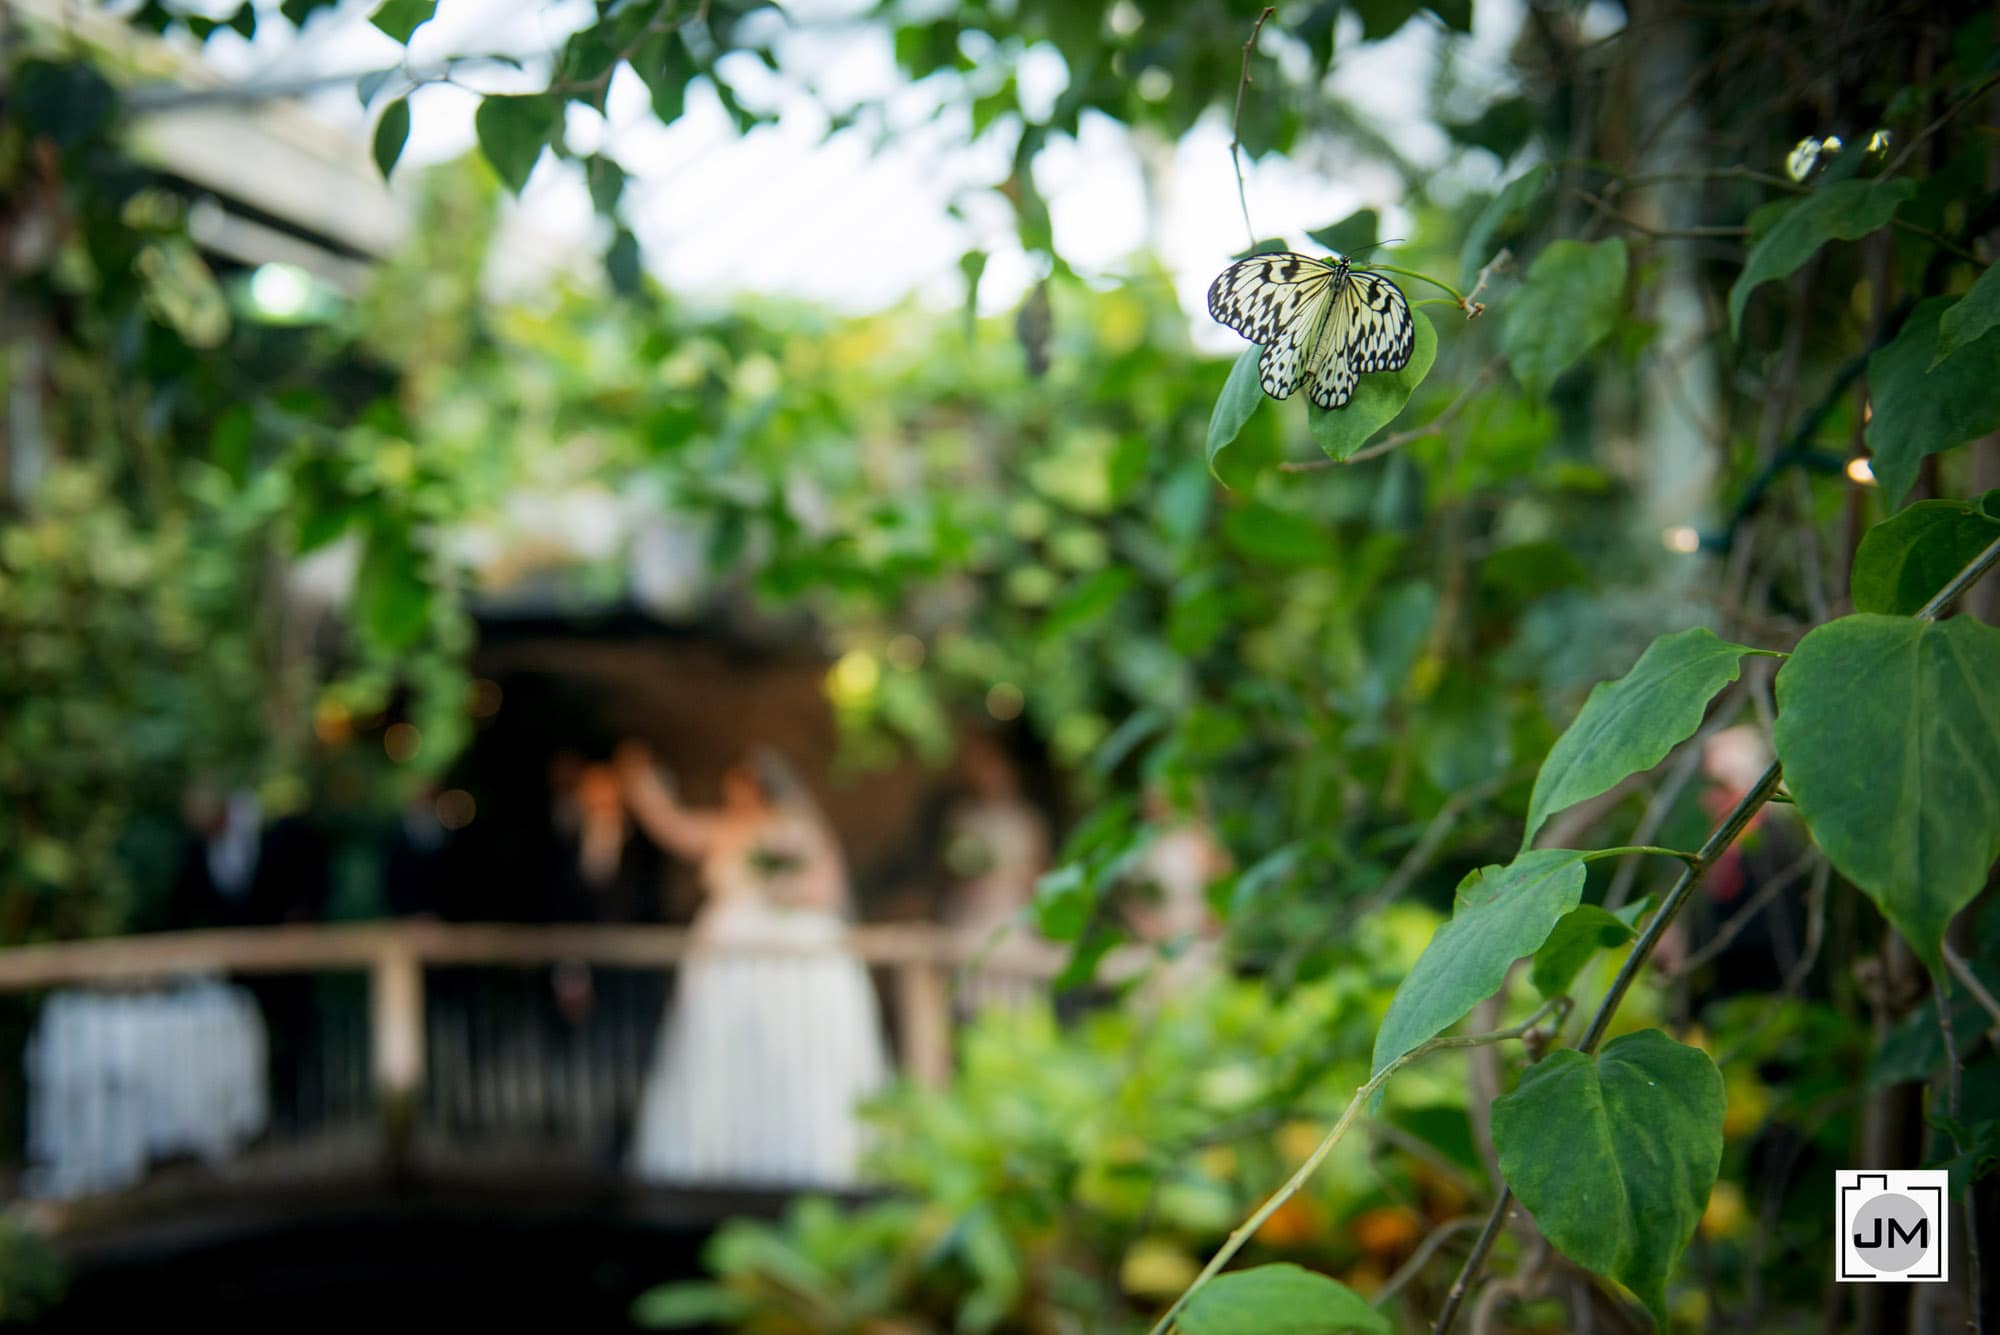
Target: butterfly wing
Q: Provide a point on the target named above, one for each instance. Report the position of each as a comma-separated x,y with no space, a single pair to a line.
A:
1380,333
1369,329
1281,302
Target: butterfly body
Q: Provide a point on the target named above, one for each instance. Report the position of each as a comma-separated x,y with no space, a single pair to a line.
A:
1322,323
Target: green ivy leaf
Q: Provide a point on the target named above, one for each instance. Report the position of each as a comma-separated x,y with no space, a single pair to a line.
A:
1567,306
1503,217
1615,1156
400,18
1281,1299
513,131
1919,410
1241,394
1844,211
391,133
1630,724
1971,316
1377,400
1582,932
1889,730
1502,914
1909,556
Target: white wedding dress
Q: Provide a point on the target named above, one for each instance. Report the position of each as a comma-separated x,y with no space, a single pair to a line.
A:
773,1035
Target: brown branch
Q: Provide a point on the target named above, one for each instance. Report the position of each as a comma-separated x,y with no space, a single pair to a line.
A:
1236,120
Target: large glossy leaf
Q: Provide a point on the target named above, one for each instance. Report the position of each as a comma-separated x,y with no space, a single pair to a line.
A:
513,131
1920,408
1377,398
1630,724
1889,730
1278,1300
1567,306
1971,315
1241,394
1503,913
1909,556
1844,211
1615,1156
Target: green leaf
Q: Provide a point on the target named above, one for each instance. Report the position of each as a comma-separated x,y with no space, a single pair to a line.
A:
1889,730
1281,1299
391,133
1583,931
1909,556
1377,400
1566,307
400,18
1277,537
513,131
1630,724
372,83
1920,411
1502,914
1241,394
1615,1157
607,182
677,1306
1502,218
1456,14
1357,231
1381,18
391,599
1088,601
65,103
1844,211
1971,316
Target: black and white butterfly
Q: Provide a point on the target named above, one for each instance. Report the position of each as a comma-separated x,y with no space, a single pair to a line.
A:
1322,323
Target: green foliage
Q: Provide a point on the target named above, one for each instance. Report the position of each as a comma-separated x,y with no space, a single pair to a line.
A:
1972,316
1615,1154
1241,394
392,131
1925,401
1279,1300
1889,730
1576,937
1630,724
1843,211
1378,399
1567,306
1502,914
513,131
1909,556
400,18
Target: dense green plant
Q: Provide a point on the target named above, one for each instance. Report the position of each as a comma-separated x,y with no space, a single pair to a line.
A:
1700,278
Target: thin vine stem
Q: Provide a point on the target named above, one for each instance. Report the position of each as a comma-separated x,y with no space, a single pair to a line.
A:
1248,1228
1457,295
1598,854
1236,121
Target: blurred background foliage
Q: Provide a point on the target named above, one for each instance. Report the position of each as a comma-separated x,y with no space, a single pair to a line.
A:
1352,673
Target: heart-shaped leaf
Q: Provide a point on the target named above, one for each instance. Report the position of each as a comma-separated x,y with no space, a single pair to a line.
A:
1278,1300
1889,730
1615,1156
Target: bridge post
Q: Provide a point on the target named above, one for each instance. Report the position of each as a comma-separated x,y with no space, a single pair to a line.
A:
923,1022
396,1034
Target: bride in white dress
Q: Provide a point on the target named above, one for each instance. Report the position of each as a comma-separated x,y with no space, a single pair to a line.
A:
774,1034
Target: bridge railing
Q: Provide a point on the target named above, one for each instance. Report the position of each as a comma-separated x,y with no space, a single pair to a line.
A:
449,1033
